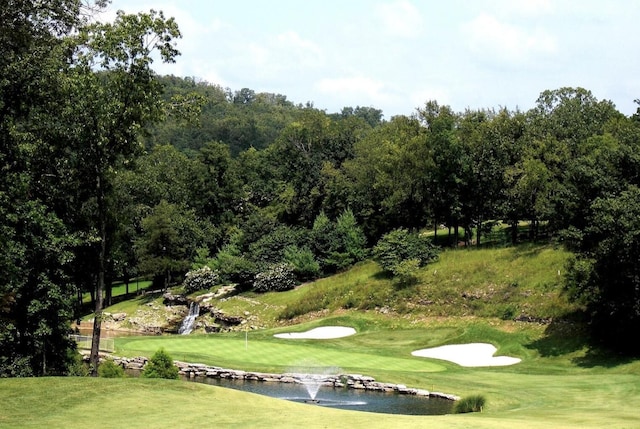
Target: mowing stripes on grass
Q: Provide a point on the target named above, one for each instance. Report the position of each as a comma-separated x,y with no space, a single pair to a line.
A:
263,354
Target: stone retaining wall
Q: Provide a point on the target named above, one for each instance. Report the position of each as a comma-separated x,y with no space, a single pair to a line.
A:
350,381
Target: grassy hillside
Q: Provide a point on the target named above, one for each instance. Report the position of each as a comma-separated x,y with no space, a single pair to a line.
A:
507,283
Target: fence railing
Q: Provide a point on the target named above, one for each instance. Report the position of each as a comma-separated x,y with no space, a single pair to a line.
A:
84,342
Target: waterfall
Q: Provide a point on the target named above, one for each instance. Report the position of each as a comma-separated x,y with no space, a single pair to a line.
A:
187,324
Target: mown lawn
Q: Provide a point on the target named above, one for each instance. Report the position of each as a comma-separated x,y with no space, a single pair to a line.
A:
572,389
467,296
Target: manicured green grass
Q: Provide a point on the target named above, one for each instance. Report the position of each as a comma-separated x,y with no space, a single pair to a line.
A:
264,353
469,295
119,289
571,389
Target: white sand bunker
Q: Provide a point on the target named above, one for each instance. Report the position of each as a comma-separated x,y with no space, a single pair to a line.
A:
474,354
322,333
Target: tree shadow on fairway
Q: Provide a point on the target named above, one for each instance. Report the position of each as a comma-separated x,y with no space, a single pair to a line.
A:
601,357
561,337
569,335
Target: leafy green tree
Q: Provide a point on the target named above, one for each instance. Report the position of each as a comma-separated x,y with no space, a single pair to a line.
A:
234,267
390,177
605,276
398,246
36,295
447,182
216,189
112,94
561,125
170,239
270,248
161,365
162,174
351,242
324,239
304,264
486,148
36,246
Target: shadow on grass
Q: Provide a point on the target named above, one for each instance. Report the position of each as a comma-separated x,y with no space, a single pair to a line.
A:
569,335
561,337
383,275
601,357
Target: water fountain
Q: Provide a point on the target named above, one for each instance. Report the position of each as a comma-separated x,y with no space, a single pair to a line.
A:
312,383
187,324
312,378
329,391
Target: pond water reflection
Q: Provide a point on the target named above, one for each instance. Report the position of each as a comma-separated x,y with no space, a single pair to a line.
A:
351,399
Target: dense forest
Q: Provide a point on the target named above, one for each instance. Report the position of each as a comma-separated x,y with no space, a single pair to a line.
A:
112,172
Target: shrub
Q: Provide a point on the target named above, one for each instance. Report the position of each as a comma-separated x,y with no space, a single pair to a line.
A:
269,249
470,404
235,268
77,367
338,244
305,266
109,369
160,366
407,271
200,279
278,277
400,245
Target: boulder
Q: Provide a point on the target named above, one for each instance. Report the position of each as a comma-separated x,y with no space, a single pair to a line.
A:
119,317
170,299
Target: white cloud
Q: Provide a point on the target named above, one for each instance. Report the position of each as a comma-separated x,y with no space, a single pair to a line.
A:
354,87
489,37
400,18
303,52
529,8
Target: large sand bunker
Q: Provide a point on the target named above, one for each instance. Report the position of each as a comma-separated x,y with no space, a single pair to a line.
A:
322,333
471,355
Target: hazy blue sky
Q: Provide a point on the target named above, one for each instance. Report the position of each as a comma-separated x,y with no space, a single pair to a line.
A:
397,54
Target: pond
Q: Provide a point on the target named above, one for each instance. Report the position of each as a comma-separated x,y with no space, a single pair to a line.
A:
349,399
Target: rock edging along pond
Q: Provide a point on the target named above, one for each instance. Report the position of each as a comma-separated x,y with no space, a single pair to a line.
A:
349,381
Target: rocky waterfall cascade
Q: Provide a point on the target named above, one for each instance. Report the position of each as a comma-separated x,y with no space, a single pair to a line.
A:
187,324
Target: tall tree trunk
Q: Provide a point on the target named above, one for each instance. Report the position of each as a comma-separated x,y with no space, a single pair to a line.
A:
109,293
94,358
456,231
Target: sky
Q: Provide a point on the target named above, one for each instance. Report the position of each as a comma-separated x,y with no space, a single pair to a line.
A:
395,55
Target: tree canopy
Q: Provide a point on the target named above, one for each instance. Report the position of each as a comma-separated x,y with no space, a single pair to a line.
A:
110,171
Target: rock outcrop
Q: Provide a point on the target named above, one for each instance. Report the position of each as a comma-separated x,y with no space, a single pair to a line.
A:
349,381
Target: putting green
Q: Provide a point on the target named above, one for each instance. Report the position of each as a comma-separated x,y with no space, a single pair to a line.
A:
261,355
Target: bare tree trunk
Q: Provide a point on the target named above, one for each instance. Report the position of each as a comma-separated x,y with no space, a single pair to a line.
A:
94,358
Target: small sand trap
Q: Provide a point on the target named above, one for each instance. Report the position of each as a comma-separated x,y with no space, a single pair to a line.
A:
471,355
322,333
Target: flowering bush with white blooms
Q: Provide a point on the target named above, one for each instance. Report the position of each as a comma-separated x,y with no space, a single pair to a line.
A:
200,279
277,277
